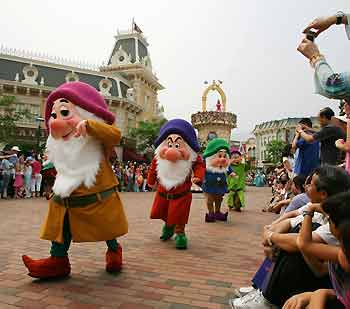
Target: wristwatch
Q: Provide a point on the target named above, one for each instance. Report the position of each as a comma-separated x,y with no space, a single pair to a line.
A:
339,16
308,213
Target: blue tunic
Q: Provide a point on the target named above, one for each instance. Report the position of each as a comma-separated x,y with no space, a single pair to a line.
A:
215,183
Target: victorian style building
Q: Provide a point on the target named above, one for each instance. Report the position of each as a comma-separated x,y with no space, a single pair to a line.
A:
127,82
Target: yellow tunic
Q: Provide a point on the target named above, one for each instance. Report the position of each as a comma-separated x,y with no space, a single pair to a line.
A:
103,220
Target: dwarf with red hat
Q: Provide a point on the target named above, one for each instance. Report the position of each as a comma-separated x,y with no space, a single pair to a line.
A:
85,206
175,166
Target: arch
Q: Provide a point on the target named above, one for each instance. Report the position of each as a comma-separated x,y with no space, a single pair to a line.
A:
213,87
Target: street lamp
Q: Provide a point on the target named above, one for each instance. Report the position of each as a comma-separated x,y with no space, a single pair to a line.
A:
39,120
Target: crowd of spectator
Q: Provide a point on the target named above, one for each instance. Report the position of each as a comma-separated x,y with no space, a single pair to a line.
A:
132,176
22,176
307,263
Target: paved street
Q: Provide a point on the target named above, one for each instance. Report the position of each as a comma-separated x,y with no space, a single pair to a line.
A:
155,275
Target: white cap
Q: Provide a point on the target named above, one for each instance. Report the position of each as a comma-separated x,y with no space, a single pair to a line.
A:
15,148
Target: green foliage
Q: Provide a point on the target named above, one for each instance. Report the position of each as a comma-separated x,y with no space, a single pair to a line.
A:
9,116
146,133
274,150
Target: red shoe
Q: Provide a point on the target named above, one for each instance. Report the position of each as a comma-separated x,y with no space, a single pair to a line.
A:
114,260
51,267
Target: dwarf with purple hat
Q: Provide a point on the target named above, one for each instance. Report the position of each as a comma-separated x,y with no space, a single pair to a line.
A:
236,181
175,166
85,206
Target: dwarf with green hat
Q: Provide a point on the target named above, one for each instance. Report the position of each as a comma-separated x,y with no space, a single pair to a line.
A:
216,157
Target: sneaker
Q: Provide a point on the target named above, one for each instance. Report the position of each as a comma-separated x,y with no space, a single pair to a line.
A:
240,292
238,300
245,290
253,300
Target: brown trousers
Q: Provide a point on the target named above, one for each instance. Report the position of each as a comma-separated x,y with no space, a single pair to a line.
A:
214,202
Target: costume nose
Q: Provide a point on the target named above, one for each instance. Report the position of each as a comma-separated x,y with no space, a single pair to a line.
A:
172,155
58,128
223,161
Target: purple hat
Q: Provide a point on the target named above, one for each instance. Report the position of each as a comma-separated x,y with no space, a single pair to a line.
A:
82,95
235,150
182,128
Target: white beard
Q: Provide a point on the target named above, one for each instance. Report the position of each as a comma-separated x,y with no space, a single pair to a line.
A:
170,174
213,169
77,161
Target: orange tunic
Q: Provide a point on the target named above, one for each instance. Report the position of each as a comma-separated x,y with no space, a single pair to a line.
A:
174,211
103,220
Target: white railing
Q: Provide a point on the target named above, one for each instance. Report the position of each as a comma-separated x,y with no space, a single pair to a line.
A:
47,58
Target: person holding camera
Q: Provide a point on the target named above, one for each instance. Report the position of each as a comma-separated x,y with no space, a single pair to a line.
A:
328,83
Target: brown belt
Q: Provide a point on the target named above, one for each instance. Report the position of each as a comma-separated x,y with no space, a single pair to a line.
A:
174,196
83,201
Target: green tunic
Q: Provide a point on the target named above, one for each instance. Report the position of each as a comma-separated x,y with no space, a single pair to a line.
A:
236,186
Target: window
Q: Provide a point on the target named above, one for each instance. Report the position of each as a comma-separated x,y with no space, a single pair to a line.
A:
32,109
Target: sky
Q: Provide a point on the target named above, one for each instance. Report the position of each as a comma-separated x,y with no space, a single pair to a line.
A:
248,44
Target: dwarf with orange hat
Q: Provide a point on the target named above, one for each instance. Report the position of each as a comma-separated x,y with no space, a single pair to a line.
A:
85,206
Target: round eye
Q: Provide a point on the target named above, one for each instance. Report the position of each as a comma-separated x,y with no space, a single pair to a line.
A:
64,112
177,146
170,145
54,115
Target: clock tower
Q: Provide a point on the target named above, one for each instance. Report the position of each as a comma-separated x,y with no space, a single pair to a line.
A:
130,58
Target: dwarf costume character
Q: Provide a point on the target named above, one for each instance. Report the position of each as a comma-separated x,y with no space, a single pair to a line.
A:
174,167
216,157
236,181
85,206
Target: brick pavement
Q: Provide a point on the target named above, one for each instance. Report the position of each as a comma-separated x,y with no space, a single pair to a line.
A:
156,275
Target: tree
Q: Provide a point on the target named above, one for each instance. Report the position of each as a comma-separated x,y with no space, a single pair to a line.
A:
146,133
275,150
9,116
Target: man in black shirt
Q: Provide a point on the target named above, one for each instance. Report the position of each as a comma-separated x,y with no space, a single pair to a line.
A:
327,136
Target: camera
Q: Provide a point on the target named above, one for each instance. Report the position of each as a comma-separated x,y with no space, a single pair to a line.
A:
311,35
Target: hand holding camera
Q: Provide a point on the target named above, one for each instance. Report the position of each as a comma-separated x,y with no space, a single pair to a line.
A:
308,48
319,24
